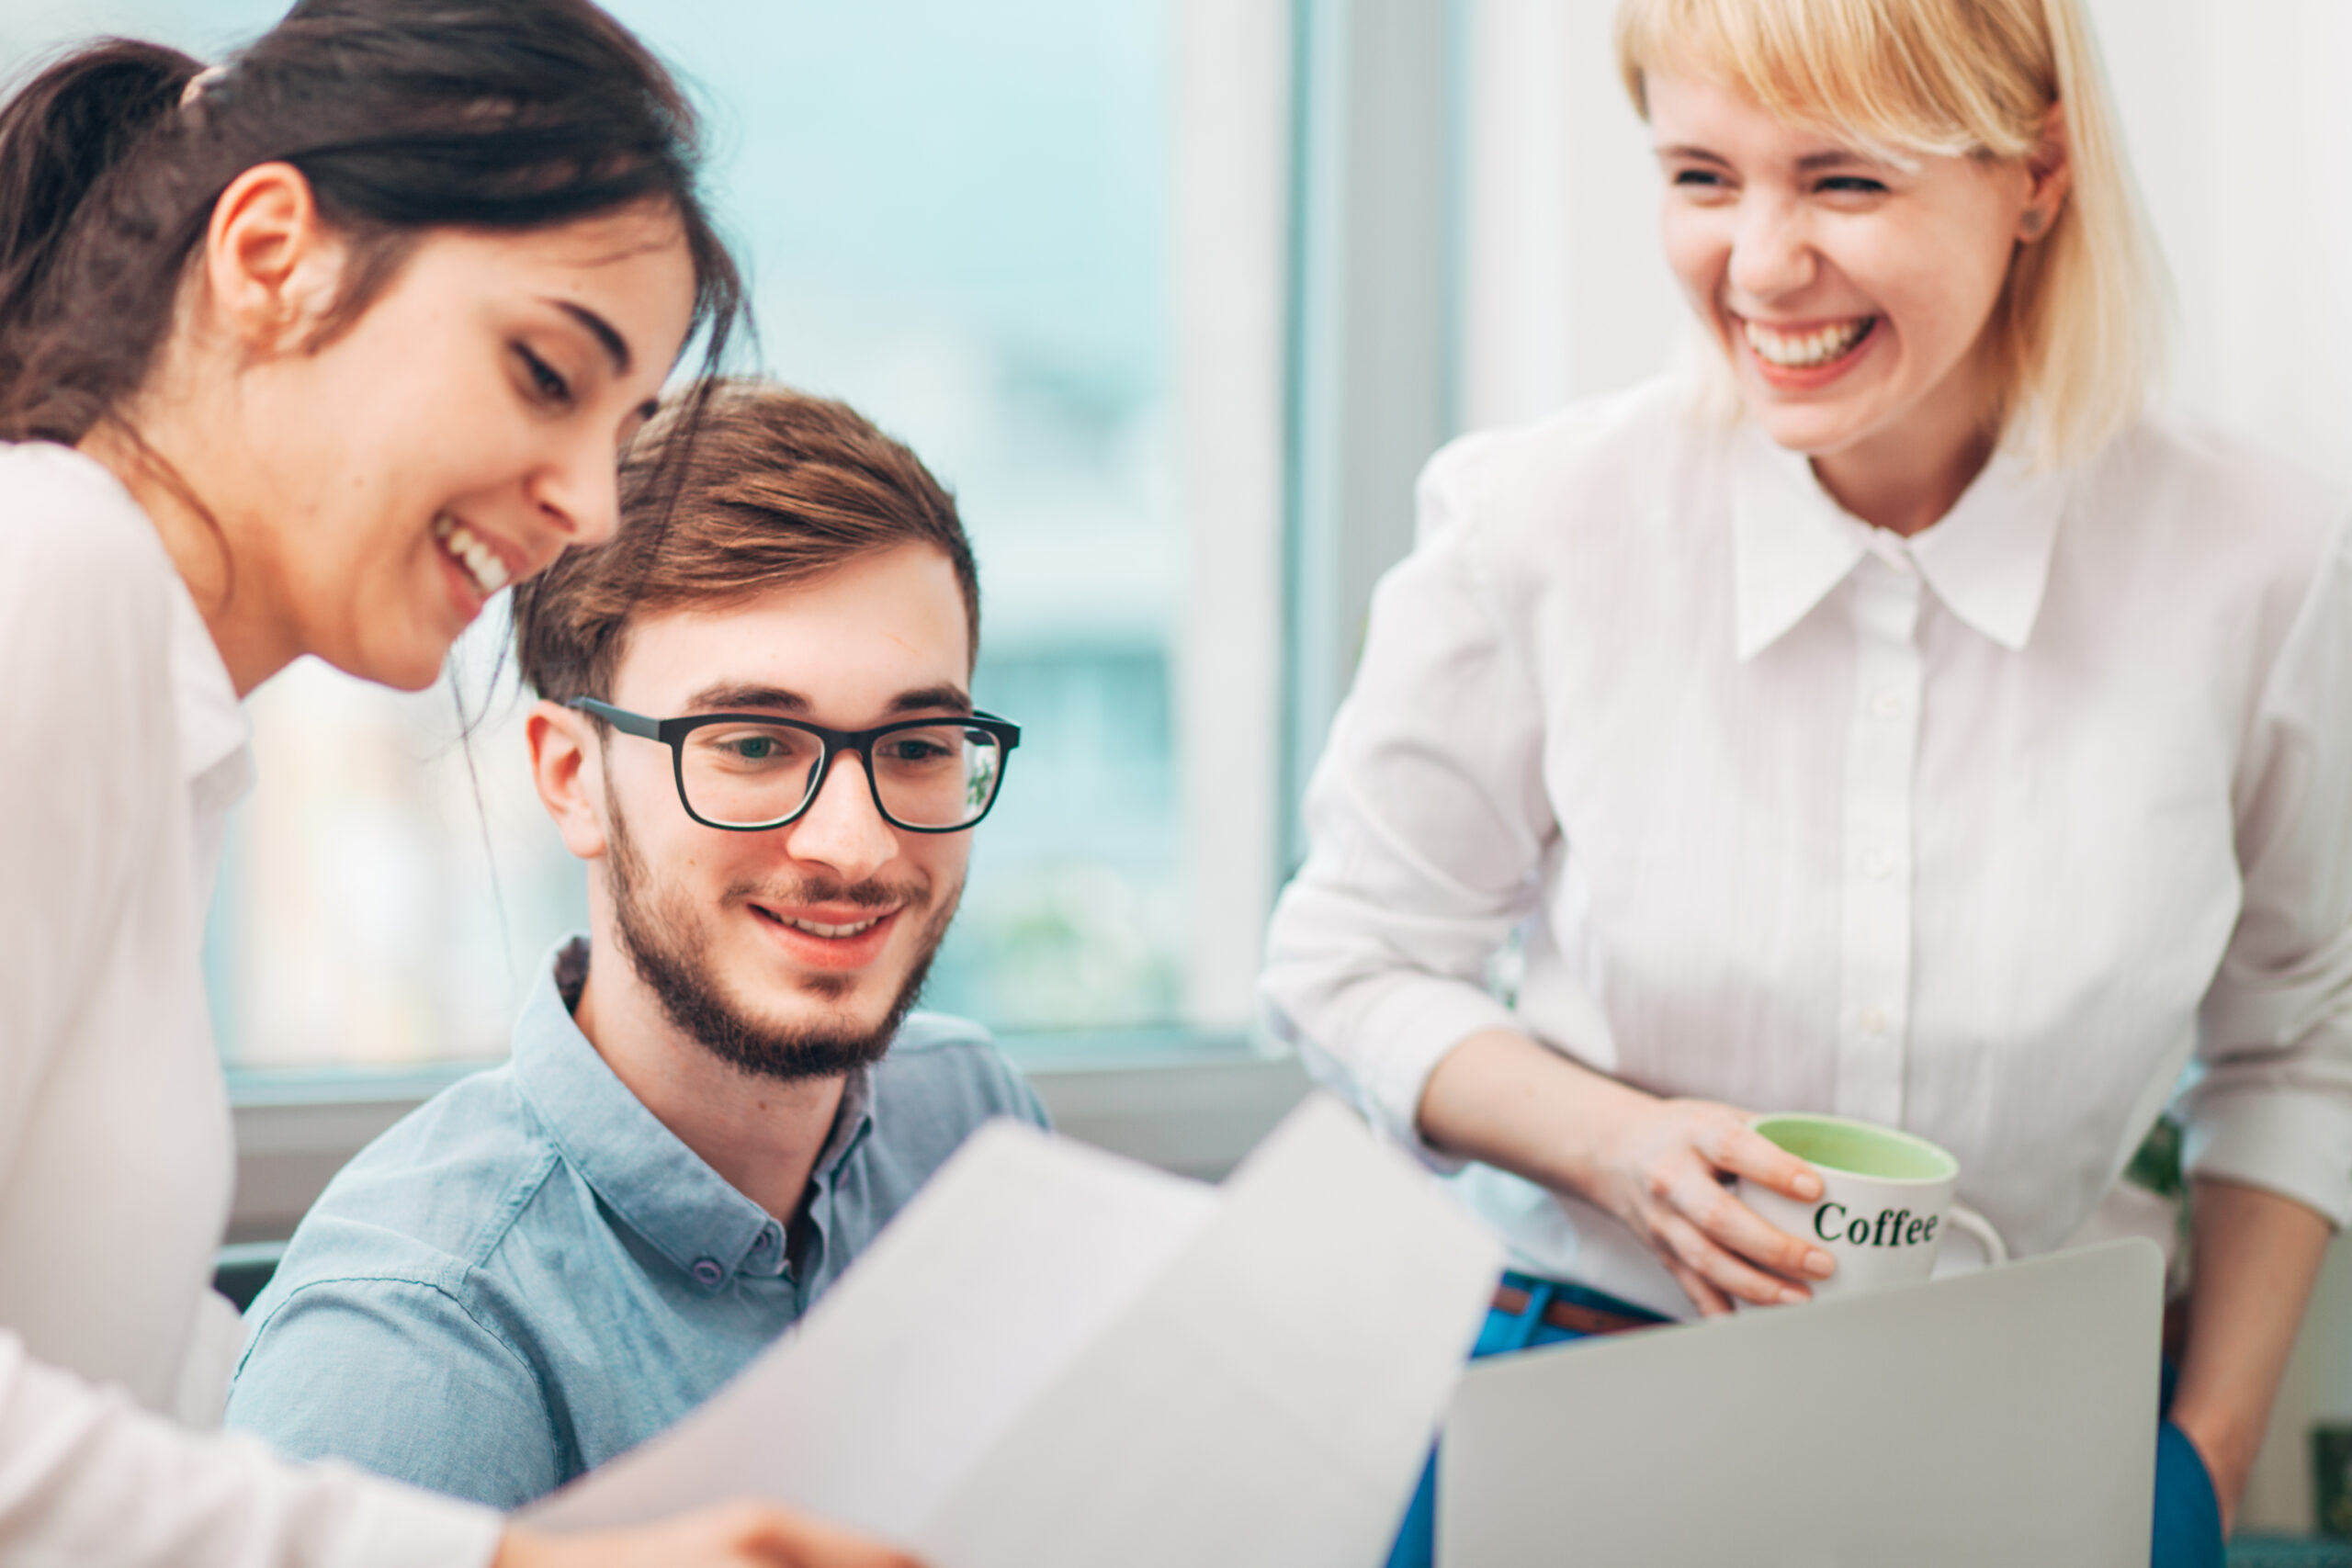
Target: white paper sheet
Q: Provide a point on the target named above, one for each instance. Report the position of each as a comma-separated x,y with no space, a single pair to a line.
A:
1058,1358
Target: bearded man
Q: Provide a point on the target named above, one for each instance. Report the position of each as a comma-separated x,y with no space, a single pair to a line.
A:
755,728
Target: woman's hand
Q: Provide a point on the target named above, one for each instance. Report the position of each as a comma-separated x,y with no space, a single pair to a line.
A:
1664,1170
744,1535
1660,1166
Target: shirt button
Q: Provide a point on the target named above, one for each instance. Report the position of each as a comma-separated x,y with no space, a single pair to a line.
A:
1872,1020
1877,862
1887,704
708,1270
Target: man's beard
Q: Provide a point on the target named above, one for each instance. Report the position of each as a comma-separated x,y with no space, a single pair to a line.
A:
670,955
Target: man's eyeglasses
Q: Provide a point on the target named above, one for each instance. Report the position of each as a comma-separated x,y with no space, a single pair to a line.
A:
749,772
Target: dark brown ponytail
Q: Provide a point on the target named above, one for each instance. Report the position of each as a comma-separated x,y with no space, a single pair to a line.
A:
68,126
404,115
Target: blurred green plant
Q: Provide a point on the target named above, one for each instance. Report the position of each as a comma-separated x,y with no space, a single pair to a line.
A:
2157,1165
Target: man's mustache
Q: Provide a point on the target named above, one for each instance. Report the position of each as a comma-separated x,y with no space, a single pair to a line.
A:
867,894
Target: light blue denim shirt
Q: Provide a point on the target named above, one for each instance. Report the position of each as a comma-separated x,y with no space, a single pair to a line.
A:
530,1273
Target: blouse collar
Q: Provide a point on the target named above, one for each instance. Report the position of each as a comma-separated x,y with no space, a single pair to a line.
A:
1987,559
214,725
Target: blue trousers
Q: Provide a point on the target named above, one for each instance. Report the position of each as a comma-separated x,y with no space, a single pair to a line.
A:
2189,1515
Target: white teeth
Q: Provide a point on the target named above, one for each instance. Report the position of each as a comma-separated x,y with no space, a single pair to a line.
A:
483,563
1804,351
815,927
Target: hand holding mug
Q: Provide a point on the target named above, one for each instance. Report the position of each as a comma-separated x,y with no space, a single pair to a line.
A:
1882,1206
1664,1171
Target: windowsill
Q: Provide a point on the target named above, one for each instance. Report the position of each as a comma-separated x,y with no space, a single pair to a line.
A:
1038,1054
278,1088
1190,1102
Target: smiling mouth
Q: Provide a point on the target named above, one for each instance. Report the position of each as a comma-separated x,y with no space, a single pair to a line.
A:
819,929
816,928
1809,350
477,560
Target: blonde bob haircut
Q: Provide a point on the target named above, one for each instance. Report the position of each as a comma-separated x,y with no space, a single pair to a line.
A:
2079,332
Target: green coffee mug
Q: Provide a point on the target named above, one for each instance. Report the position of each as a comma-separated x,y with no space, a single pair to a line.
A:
1886,1201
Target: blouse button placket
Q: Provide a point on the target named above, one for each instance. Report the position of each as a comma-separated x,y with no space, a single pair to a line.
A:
1881,756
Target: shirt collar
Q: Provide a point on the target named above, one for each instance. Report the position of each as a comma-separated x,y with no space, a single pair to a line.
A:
661,1189
213,727
1987,559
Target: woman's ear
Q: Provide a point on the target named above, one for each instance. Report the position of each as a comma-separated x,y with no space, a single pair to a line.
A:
273,269
2051,173
573,791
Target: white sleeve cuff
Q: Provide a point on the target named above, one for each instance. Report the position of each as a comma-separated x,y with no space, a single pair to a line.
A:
392,1525
1404,1029
2289,1140
87,1476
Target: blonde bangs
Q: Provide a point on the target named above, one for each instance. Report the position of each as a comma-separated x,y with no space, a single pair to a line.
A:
2079,333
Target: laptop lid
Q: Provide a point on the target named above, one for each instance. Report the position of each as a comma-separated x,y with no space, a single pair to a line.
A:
2004,1416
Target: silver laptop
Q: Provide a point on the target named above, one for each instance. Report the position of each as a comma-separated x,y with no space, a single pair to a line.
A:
2002,1418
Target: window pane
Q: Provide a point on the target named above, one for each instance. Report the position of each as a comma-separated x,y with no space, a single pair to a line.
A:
957,218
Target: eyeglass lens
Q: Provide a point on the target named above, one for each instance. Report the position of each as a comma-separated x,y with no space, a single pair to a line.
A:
746,774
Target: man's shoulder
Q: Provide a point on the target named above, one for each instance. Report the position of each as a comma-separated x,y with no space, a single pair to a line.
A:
389,1336
432,1198
950,1069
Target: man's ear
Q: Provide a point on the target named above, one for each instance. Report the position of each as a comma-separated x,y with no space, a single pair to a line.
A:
273,269
562,752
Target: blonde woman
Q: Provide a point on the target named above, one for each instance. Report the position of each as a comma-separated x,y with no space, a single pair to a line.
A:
1891,717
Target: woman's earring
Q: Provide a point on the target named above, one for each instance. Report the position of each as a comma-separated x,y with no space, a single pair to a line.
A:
2032,223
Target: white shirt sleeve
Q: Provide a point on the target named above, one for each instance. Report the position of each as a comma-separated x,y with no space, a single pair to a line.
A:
2272,1106
78,813
89,1479
1429,824
100,993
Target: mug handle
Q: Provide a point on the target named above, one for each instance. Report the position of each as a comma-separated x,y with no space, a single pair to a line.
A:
1995,1252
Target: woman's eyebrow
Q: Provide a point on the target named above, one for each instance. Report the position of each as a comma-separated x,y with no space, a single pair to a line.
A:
1684,150
602,330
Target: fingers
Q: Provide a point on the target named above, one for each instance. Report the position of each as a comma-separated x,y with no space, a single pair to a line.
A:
1737,1148
1727,1274
743,1535
787,1539
1723,1219
1670,1169
1710,1302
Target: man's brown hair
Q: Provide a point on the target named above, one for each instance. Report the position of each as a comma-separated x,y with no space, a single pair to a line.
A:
777,488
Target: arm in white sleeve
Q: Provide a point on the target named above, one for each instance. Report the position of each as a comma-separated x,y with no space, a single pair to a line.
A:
2272,1104
1427,822
83,716
87,771
89,1479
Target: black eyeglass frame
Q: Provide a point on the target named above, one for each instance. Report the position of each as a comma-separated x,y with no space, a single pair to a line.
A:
673,733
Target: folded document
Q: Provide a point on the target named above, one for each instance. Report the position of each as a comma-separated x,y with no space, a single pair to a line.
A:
1056,1359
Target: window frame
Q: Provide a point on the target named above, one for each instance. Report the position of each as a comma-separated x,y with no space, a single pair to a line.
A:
1319,149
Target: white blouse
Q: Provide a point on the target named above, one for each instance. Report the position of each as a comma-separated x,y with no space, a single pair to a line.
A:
122,747
1986,833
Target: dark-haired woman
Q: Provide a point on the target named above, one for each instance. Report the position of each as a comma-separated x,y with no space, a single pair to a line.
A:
313,353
